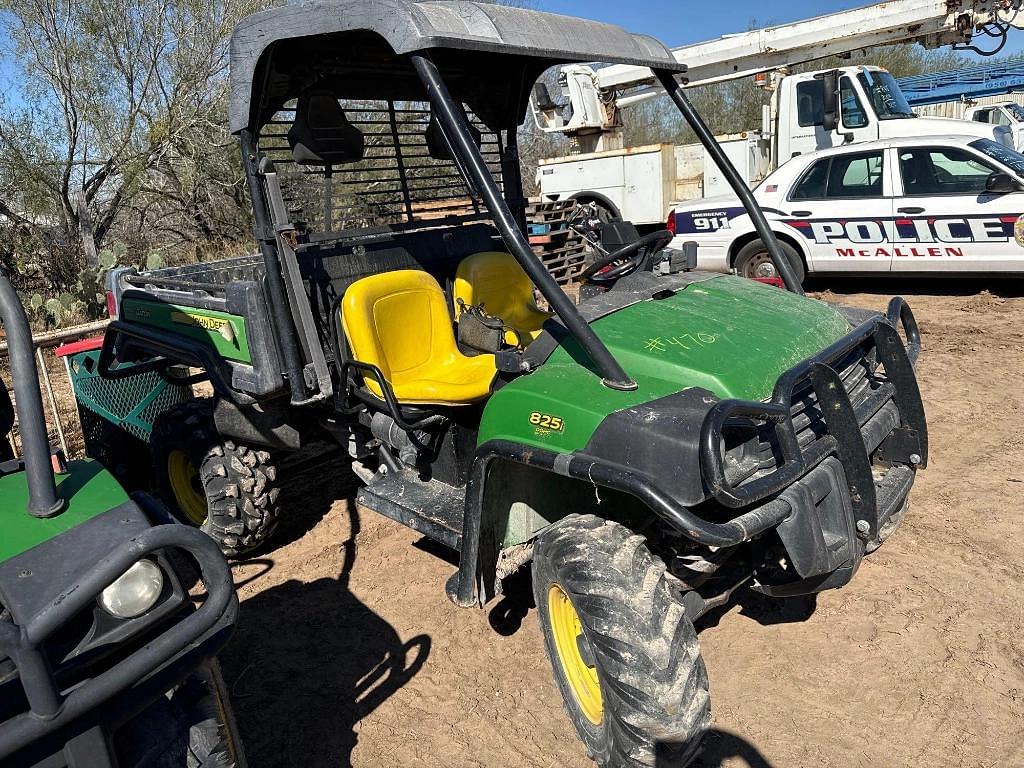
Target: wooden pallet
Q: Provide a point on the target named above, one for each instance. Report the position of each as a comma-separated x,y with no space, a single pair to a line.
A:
561,249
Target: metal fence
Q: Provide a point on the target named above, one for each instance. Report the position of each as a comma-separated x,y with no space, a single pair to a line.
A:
49,340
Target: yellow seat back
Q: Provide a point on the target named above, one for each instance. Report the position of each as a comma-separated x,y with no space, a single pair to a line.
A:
399,322
495,280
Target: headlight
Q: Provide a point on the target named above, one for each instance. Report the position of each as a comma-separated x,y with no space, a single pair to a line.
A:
741,450
134,592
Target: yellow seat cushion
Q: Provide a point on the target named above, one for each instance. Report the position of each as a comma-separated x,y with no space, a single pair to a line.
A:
496,281
399,322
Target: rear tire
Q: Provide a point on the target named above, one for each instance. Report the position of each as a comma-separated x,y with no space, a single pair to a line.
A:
649,704
227,489
753,261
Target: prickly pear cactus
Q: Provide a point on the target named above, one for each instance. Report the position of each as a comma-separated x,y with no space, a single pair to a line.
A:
87,299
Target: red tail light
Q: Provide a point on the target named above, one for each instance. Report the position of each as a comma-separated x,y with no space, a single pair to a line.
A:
111,305
670,225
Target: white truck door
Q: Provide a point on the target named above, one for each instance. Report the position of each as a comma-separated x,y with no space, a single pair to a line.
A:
801,116
841,206
953,223
1012,116
856,121
803,109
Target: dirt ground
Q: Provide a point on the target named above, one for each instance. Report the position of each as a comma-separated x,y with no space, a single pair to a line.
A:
348,653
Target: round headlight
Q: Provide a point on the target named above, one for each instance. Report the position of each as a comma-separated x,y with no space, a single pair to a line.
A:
134,592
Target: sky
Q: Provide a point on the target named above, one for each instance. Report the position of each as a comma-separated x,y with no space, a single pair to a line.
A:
676,22
681,22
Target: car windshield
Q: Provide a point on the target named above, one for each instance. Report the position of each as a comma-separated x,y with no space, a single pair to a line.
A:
1016,111
885,94
1001,153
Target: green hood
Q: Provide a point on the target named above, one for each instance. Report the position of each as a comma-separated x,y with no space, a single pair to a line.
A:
729,335
88,489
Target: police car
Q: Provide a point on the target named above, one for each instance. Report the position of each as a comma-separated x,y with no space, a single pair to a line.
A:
931,204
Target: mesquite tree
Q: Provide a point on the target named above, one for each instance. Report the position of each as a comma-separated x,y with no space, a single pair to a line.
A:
115,130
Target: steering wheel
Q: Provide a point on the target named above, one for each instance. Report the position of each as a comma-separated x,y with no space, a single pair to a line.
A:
631,255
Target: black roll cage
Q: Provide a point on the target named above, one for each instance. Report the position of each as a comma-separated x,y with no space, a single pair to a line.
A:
43,500
508,213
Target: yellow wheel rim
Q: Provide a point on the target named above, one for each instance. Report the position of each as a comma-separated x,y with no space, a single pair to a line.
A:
186,488
568,635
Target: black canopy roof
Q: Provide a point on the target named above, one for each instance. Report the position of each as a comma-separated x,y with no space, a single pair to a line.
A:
489,55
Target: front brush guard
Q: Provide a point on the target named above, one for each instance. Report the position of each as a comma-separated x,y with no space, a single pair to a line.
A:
844,438
50,708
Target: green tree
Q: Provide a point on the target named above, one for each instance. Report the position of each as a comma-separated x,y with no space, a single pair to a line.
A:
119,118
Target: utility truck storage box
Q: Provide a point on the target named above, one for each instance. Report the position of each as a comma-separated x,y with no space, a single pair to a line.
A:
634,184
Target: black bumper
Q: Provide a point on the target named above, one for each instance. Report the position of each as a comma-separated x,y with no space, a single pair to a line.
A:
56,714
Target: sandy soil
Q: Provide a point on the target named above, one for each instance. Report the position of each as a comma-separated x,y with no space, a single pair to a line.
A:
347,651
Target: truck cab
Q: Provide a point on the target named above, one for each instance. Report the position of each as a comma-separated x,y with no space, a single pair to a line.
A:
827,108
1004,113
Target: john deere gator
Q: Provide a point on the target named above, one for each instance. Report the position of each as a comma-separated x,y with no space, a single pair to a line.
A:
673,437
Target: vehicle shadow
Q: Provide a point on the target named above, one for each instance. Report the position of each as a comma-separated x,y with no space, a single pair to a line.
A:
722,748
506,616
763,609
307,662
316,479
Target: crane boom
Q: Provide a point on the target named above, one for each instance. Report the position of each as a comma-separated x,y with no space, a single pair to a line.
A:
596,95
932,23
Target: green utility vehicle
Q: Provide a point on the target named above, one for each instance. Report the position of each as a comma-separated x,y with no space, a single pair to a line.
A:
103,660
675,436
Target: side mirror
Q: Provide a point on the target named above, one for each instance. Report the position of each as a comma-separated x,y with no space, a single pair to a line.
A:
830,100
999,183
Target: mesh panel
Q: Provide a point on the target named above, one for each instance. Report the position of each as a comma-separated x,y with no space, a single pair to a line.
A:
396,182
132,403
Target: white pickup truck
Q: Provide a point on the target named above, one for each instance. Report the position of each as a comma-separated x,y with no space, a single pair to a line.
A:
927,204
1006,111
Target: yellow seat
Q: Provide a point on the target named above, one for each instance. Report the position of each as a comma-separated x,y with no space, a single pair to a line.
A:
399,322
496,281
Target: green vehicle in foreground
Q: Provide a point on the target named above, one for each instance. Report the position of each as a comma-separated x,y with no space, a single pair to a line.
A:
674,437
104,661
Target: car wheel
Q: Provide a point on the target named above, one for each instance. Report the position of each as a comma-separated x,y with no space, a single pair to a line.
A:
754,261
624,653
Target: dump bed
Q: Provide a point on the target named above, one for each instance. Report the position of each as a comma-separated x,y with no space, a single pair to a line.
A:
211,315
